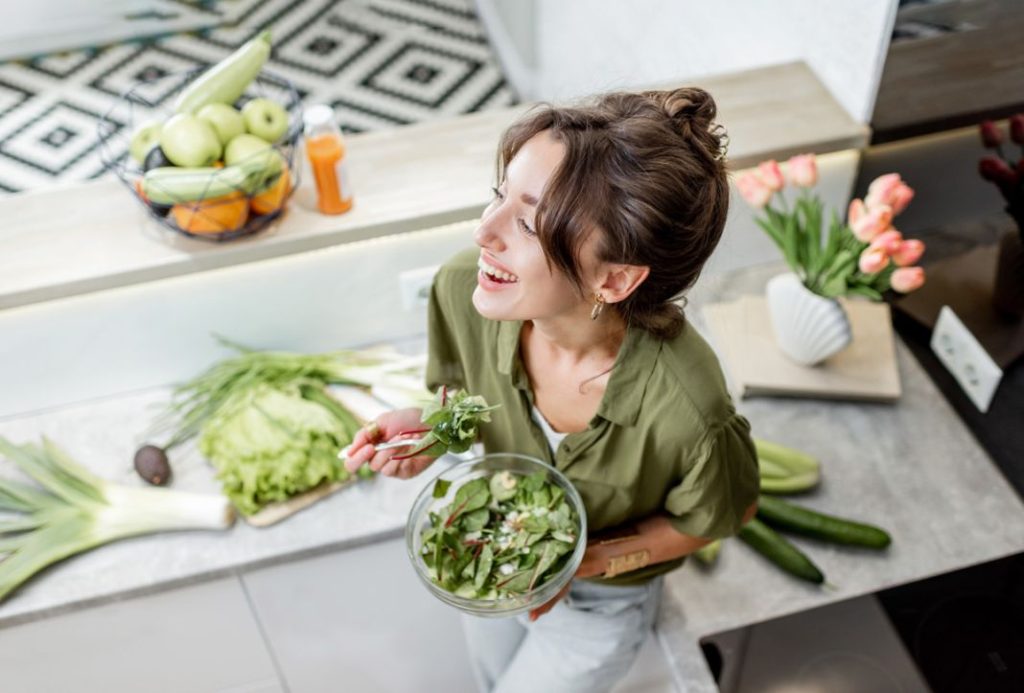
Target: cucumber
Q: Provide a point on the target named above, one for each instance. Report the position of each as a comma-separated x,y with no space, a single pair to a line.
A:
708,553
776,549
808,522
170,185
227,80
793,460
796,483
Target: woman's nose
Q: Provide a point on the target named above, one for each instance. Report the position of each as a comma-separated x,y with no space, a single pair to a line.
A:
487,233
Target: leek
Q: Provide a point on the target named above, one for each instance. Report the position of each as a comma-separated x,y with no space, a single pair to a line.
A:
72,510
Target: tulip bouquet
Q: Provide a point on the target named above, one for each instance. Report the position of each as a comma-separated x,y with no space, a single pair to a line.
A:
1008,175
864,256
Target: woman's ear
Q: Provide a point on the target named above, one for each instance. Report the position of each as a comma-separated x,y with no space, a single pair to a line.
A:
622,280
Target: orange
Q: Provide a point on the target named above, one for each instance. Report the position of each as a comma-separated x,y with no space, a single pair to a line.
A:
271,199
216,215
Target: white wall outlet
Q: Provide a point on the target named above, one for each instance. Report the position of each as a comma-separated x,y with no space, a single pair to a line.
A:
414,286
965,358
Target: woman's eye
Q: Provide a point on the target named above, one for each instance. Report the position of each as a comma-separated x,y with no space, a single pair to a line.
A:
527,229
497,194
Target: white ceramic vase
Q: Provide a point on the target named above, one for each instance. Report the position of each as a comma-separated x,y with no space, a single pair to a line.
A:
808,328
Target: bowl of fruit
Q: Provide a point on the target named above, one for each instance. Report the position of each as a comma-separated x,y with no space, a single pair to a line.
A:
498,535
208,153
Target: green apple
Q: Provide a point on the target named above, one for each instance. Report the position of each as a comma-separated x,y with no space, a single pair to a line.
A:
145,137
256,155
265,118
225,120
189,141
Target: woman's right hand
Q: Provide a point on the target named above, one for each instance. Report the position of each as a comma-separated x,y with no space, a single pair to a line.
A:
388,427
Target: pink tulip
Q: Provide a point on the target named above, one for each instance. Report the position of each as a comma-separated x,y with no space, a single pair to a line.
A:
771,175
856,211
908,253
872,260
753,190
889,241
873,223
900,198
907,279
803,170
889,190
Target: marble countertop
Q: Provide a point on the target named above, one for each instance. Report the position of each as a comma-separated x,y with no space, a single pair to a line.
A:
103,435
911,467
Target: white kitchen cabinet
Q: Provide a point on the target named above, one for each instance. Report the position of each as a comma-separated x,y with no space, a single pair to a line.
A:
200,639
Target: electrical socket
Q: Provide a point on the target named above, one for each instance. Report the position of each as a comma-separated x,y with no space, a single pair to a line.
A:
965,358
414,287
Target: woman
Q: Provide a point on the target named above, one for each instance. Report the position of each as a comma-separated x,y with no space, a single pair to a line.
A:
567,316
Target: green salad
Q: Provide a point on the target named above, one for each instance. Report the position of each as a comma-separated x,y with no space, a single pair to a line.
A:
502,535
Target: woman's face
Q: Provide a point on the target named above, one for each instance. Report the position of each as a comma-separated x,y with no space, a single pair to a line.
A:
514,281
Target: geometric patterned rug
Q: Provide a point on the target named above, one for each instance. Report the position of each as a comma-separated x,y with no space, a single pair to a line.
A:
379,63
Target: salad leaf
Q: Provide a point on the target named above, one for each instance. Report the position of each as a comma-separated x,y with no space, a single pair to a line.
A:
453,419
503,534
270,443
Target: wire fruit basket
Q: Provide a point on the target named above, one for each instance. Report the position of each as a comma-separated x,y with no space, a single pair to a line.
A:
215,216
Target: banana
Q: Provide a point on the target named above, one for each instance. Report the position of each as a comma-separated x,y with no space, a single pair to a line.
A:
227,80
170,185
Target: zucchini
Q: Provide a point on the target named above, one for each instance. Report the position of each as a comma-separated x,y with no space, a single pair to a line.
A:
776,549
794,460
796,483
168,185
227,80
784,515
708,553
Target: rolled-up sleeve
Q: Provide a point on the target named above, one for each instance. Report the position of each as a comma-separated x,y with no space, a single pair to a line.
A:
720,485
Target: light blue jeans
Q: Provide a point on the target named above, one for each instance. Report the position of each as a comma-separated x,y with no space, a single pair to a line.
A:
585,644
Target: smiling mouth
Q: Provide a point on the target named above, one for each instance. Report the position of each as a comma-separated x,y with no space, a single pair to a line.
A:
495,274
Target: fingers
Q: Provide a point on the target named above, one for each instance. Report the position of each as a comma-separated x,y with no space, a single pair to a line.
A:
361,448
544,608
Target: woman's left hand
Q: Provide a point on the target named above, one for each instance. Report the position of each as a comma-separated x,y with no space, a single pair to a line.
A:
593,564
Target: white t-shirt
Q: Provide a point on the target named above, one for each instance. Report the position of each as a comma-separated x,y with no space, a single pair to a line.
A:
554,437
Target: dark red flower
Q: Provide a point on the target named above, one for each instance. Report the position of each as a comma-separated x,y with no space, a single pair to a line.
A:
995,170
1017,128
991,135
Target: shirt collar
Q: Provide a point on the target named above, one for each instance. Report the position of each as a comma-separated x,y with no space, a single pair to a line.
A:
629,377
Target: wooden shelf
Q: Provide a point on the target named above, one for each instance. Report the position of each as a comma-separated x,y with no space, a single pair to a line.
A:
956,79
78,238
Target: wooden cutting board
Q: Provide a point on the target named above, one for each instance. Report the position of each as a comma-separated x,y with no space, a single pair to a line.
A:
364,407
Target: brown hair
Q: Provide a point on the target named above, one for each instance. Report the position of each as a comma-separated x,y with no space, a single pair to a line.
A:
647,170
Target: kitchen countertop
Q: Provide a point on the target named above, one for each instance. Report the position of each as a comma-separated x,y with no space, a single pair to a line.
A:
84,237
911,467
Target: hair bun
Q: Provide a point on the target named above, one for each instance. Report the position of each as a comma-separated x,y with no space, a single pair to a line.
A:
693,112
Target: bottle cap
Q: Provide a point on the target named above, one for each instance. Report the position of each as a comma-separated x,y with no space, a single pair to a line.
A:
318,114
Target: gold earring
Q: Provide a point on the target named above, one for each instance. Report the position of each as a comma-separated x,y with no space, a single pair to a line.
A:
595,312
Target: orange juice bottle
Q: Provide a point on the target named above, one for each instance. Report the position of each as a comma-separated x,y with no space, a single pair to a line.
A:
325,148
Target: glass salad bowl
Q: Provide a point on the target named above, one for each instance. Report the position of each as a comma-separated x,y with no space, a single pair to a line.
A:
511,548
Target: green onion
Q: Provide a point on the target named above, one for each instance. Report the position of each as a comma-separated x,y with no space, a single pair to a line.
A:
74,511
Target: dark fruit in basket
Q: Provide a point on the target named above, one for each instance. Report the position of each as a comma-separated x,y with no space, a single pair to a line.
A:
155,158
159,210
152,465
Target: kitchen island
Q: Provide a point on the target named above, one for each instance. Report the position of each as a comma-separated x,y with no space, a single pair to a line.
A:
911,467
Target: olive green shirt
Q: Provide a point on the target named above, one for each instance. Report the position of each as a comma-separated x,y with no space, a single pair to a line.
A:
665,439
